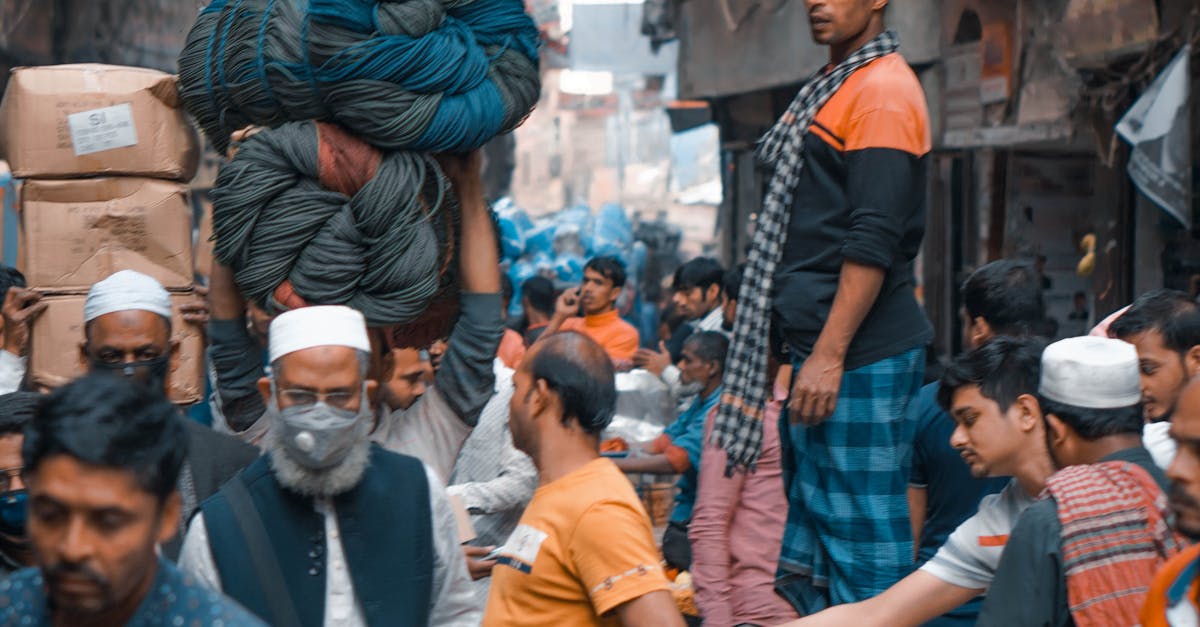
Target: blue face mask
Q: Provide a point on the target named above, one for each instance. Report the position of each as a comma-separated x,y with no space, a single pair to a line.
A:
13,513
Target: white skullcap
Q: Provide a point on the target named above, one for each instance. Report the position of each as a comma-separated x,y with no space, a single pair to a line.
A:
127,290
324,325
1091,372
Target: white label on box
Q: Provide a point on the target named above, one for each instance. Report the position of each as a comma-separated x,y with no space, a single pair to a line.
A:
102,129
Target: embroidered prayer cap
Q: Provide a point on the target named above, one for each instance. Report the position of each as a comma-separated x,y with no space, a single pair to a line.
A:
127,290
1091,372
322,325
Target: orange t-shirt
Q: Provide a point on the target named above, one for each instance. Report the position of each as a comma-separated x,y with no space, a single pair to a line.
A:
584,547
619,338
512,348
1173,592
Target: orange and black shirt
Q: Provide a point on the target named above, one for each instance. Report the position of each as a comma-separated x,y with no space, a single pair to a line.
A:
860,197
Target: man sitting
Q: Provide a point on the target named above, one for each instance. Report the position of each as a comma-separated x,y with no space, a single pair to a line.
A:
328,528
1083,554
678,449
102,458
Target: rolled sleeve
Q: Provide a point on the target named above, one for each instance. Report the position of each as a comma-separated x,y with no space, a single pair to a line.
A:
882,175
614,553
466,377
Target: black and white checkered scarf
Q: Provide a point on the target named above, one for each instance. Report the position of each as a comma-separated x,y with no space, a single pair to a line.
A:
738,426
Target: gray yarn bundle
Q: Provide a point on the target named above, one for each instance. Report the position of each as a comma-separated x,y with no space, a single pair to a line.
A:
424,75
385,249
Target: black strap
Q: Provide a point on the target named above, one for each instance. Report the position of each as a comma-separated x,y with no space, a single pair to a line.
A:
266,566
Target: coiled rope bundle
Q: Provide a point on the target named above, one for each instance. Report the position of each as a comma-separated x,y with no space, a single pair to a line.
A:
425,75
308,214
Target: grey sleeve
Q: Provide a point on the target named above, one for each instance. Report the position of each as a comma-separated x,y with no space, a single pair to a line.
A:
1030,585
466,379
237,361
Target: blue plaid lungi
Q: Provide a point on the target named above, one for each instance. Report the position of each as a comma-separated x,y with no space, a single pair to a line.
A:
848,536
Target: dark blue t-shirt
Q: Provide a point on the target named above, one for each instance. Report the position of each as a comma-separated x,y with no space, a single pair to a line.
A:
952,494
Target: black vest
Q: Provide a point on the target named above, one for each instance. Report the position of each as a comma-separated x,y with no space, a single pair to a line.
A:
387,538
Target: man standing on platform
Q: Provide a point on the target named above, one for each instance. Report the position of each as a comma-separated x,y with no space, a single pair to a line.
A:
832,263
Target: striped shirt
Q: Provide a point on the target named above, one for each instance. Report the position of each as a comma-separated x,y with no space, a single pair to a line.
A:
493,479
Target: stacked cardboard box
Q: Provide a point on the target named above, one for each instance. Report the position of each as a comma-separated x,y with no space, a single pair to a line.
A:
104,152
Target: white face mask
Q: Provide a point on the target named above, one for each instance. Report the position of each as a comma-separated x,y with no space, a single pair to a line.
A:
319,436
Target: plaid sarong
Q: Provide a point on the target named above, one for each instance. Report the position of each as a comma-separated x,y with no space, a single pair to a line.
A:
848,536
1114,539
738,425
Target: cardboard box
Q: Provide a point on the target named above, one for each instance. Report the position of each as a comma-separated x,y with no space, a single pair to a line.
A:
54,357
76,232
204,245
63,121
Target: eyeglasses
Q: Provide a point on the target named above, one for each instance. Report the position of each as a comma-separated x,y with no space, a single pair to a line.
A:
341,400
6,477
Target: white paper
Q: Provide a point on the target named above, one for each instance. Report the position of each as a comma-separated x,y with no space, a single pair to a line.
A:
102,129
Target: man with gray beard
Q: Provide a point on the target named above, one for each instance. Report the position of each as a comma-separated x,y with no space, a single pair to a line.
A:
327,528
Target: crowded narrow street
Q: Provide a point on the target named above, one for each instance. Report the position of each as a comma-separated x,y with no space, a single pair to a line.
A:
550,313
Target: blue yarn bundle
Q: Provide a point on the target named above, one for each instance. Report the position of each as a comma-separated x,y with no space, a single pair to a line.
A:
424,75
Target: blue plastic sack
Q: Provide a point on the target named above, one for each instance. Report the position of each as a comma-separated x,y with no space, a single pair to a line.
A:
613,233
569,268
539,240
514,226
522,270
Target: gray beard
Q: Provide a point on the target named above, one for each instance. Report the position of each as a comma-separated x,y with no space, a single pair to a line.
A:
305,481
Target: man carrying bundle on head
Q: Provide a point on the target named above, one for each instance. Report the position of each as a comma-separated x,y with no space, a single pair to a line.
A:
831,265
431,423
127,332
328,528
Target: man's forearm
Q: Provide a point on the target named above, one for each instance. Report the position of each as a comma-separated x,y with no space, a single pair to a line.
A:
479,260
858,287
225,302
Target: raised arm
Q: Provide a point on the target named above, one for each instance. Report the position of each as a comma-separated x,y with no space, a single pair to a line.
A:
466,378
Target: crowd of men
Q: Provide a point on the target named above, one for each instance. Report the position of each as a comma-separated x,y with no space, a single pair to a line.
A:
821,480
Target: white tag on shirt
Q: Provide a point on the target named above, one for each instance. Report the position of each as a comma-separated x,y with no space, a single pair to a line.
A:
522,548
102,129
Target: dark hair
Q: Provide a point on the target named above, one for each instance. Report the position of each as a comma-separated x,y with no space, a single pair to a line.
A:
1003,368
709,346
701,272
1093,424
731,284
1173,314
581,373
609,267
10,277
112,422
1008,295
506,287
540,292
16,410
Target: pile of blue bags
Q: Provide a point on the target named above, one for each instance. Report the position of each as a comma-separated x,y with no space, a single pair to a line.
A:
558,245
